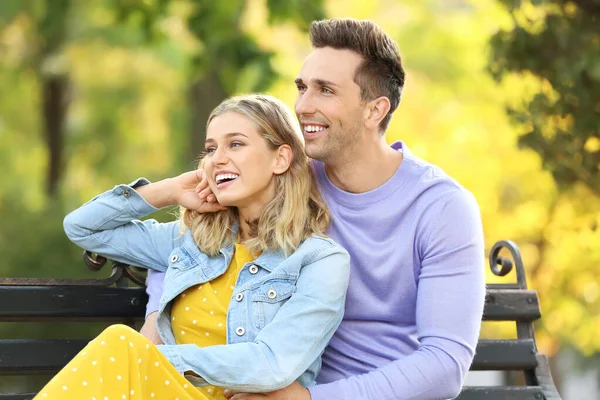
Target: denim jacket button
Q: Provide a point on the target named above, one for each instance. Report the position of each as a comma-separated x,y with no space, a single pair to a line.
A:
126,193
240,331
271,293
253,269
174,258
239,297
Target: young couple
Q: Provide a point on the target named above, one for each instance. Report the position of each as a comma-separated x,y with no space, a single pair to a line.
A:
250,300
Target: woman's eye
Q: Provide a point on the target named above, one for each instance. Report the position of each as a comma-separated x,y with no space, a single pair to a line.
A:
209,150
236,144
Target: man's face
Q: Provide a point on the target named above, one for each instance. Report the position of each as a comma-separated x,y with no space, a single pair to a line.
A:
328,105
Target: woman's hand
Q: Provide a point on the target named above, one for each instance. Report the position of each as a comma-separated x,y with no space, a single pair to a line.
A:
189,190
149,329
194,193
295,391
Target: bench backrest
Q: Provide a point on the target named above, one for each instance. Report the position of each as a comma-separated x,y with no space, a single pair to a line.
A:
99,300
512,302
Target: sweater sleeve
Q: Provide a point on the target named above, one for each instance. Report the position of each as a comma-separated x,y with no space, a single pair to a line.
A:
450,299
154,287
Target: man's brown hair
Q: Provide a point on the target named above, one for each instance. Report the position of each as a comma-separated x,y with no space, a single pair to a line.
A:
381,72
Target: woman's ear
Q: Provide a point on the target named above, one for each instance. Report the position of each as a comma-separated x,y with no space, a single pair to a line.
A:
283,159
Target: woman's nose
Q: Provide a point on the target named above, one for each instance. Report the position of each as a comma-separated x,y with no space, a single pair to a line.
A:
219,157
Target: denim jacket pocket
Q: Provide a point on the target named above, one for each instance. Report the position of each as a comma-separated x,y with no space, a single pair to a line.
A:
268,298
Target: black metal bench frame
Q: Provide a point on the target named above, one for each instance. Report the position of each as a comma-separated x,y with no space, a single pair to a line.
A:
115,300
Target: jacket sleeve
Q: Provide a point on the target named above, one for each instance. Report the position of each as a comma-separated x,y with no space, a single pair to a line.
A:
450,301
109,225
289,344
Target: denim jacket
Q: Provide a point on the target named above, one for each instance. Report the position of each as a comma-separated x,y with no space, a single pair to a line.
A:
282,313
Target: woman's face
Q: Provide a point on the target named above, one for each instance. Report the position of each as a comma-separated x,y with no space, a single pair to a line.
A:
239,164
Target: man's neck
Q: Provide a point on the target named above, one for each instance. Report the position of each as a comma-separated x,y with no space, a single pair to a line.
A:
367,169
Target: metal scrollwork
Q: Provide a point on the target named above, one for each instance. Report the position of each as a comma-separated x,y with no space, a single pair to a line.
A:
93,263
121,275
501,266
133,274
121,272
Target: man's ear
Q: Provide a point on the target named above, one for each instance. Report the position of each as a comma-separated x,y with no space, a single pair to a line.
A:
377,110
283,159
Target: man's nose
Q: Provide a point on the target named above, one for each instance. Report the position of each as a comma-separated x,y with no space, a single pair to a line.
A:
305,104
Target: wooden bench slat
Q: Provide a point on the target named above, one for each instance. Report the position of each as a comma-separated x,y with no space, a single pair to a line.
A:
501,393
516,354
511,305
22,356
75,303
37,356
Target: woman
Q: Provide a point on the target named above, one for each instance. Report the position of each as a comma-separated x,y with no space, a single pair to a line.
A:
253,291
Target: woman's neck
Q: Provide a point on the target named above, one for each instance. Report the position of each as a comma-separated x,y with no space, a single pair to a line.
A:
246,231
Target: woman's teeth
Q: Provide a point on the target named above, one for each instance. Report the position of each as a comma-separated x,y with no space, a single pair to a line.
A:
225,177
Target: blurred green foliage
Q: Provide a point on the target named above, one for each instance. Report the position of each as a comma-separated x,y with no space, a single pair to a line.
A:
136,79
96,93
558,42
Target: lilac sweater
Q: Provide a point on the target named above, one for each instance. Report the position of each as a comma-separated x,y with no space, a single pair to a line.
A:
416,293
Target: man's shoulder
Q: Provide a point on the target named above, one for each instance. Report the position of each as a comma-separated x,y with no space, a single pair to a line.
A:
426,181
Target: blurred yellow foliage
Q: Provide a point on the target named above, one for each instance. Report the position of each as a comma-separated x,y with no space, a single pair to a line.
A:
452,114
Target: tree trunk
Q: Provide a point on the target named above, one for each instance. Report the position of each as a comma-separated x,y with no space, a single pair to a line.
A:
52,31
55,103
203,96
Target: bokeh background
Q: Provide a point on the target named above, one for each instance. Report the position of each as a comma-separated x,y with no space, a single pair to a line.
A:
502,94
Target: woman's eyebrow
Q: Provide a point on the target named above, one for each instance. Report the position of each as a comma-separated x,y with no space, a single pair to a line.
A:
227,135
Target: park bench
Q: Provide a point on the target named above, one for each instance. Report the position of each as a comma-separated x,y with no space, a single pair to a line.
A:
116,300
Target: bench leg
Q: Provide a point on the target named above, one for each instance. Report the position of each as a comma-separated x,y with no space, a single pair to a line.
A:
545,378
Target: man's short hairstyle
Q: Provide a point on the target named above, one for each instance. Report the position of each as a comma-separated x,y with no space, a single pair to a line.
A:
381,72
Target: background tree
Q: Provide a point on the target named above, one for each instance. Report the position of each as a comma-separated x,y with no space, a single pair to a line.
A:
558,42
553,48
129,115
228,59
46,37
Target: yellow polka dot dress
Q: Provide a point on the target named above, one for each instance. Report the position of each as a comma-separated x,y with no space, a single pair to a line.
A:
122,364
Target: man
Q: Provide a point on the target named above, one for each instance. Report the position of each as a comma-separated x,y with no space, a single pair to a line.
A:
414,235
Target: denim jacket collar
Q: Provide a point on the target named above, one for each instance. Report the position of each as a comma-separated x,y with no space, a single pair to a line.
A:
213,265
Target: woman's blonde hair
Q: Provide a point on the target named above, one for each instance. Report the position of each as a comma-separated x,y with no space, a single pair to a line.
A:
296,212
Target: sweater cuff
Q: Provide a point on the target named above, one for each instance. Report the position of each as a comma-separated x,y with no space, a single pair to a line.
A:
328,391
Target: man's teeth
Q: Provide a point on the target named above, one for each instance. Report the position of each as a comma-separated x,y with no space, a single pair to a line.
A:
314,128
222,177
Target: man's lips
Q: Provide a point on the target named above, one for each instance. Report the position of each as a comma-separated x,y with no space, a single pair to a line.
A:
312,130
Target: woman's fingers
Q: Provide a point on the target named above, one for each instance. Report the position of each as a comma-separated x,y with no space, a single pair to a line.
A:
204,193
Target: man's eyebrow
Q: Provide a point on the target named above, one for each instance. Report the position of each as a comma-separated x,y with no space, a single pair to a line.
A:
320,82
227,135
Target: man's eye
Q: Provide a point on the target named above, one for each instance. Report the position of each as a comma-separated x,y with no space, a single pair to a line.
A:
326,90
301,88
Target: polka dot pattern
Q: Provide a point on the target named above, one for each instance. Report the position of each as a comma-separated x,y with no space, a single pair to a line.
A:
199,314
111,367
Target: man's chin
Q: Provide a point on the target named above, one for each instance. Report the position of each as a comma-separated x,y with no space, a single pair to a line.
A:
315,152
